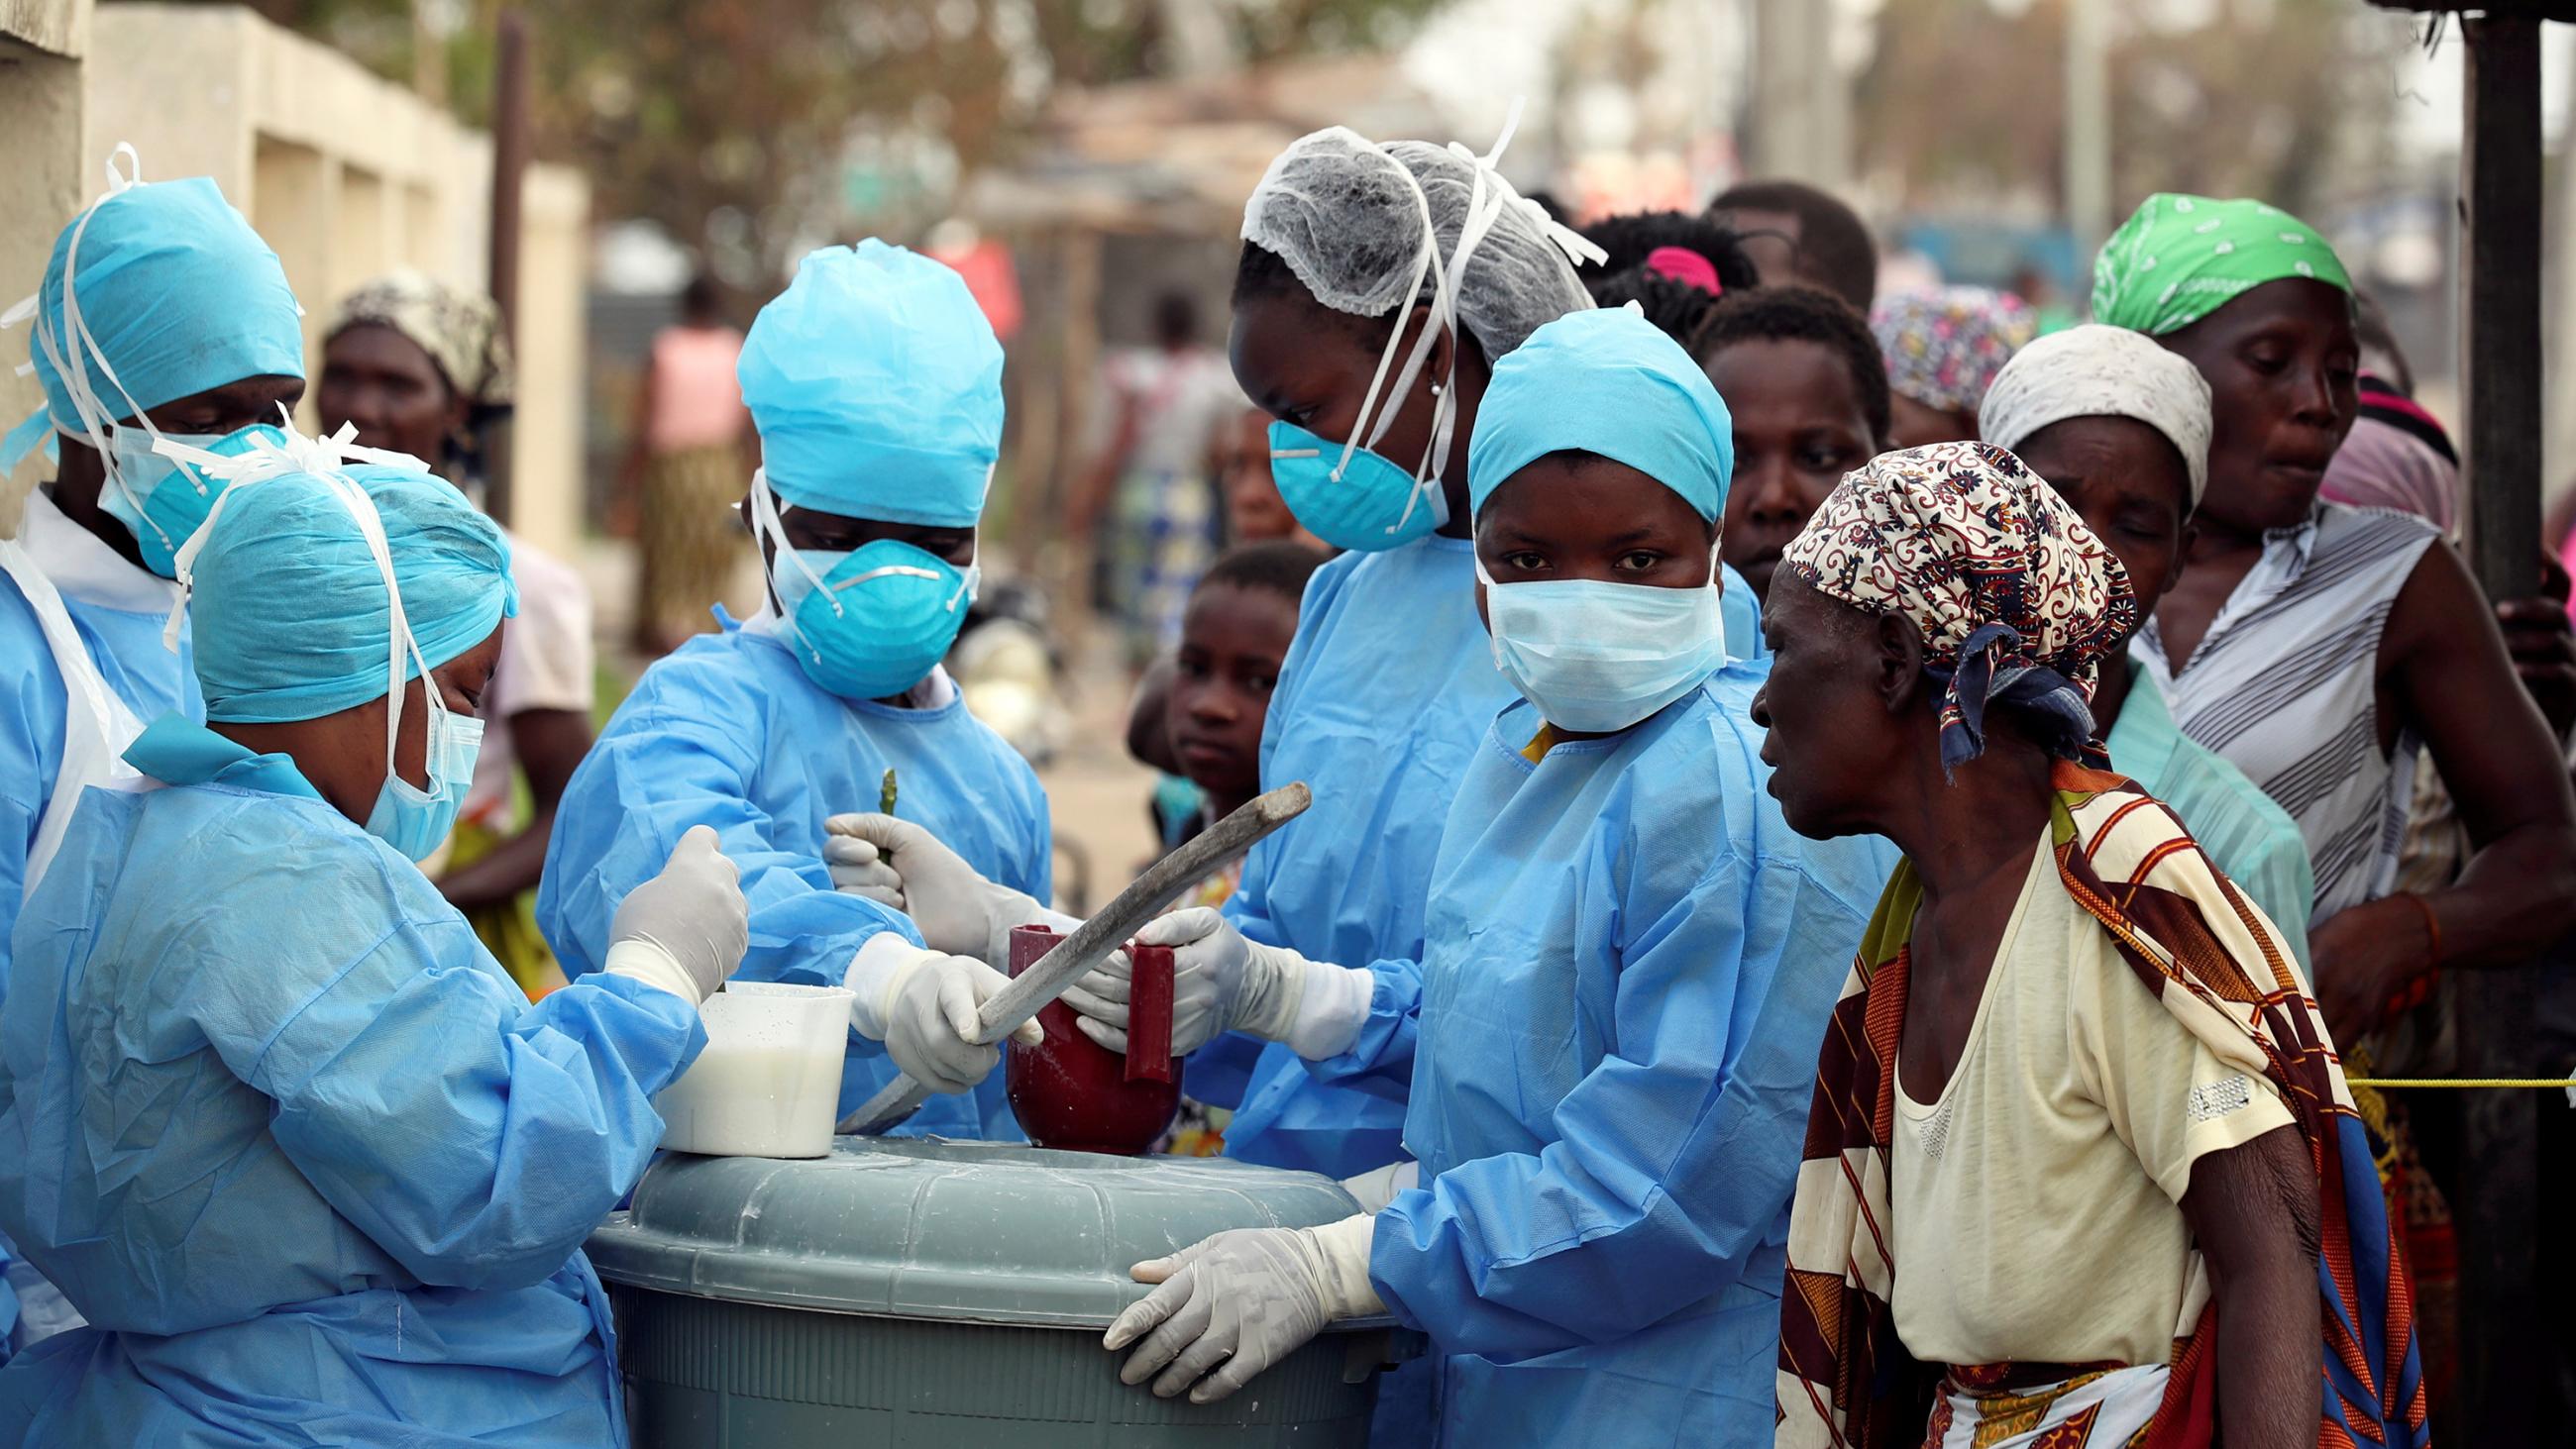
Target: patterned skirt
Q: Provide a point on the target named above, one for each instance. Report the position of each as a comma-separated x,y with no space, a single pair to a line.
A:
2093,1409
1164,536
689,542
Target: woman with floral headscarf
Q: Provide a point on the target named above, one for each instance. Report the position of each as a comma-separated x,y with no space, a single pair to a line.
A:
1944,346
2077,1129
2316,646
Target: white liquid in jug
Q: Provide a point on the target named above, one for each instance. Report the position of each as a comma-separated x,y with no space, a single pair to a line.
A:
753,1100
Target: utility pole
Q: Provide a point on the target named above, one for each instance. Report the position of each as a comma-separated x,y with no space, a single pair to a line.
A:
1798,120
2088,125
2503,1333
509,169
428,56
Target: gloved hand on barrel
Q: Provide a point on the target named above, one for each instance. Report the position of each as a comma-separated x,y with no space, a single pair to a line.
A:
1234,1304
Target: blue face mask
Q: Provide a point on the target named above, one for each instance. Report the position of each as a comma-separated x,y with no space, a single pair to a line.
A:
1348,494
415,821
866,624
160,499
1352,497
1595,656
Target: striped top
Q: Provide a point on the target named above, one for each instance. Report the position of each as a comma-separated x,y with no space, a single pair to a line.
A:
2285,687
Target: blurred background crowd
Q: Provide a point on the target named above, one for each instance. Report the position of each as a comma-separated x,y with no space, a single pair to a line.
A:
634,179
1083,162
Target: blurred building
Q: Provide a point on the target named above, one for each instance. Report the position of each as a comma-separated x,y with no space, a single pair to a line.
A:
46,171
1135,190
346,174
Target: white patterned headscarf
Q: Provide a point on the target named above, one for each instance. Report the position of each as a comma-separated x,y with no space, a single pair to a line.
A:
2099,371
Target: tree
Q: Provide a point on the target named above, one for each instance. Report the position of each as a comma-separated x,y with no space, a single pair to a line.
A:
2248,98
730,123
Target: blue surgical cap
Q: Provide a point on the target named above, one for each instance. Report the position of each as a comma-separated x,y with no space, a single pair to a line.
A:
1609,382
178,292
876,385
290,611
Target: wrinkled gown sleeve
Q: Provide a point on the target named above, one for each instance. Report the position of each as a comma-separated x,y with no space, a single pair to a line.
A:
1379,1060
475,1137
639,791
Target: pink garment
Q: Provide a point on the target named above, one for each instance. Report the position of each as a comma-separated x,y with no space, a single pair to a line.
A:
993,281
2567,558
2381,465
1686,266
696,402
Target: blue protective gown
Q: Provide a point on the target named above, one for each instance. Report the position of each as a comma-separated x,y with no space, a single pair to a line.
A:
729,732
309,1161
1610,1048
1385,692
118,610
1743,615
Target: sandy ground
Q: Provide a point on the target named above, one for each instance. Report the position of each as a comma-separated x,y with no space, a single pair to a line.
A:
1099,795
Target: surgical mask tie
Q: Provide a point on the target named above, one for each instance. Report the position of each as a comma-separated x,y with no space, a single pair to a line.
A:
272,453
1346,505
412,820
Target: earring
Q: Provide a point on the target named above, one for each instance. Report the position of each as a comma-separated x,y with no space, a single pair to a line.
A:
1435,389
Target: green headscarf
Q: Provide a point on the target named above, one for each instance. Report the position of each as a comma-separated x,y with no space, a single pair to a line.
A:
2181,258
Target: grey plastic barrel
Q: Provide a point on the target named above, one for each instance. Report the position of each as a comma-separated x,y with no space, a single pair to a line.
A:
924,1292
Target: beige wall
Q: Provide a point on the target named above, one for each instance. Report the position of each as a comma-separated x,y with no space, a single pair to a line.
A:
348,175
45,172
554,279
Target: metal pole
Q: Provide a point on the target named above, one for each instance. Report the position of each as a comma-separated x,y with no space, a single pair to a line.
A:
428,56
2502,172
2088,126
1798,118
2503,1366
509,167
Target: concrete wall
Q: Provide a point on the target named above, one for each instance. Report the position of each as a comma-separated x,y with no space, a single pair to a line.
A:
45,172
347,175
554,274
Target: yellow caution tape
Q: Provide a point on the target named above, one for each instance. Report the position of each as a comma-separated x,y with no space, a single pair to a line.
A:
2506,1082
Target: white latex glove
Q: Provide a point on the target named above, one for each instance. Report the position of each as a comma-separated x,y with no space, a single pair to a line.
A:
859,869
1208,964
923,1006
1240,1302
959,912
1380,1186
1223,981
684,930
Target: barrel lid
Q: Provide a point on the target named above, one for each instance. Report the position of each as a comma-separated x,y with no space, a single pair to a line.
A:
927,1228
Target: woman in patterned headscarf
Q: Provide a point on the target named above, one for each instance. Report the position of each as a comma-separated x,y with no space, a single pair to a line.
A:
2314,645
2076,1122
419,367
1944,347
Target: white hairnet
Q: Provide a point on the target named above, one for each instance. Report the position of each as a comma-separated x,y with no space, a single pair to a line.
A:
1341,211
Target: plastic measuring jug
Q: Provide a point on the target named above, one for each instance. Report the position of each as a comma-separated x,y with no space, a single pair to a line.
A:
770,1077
